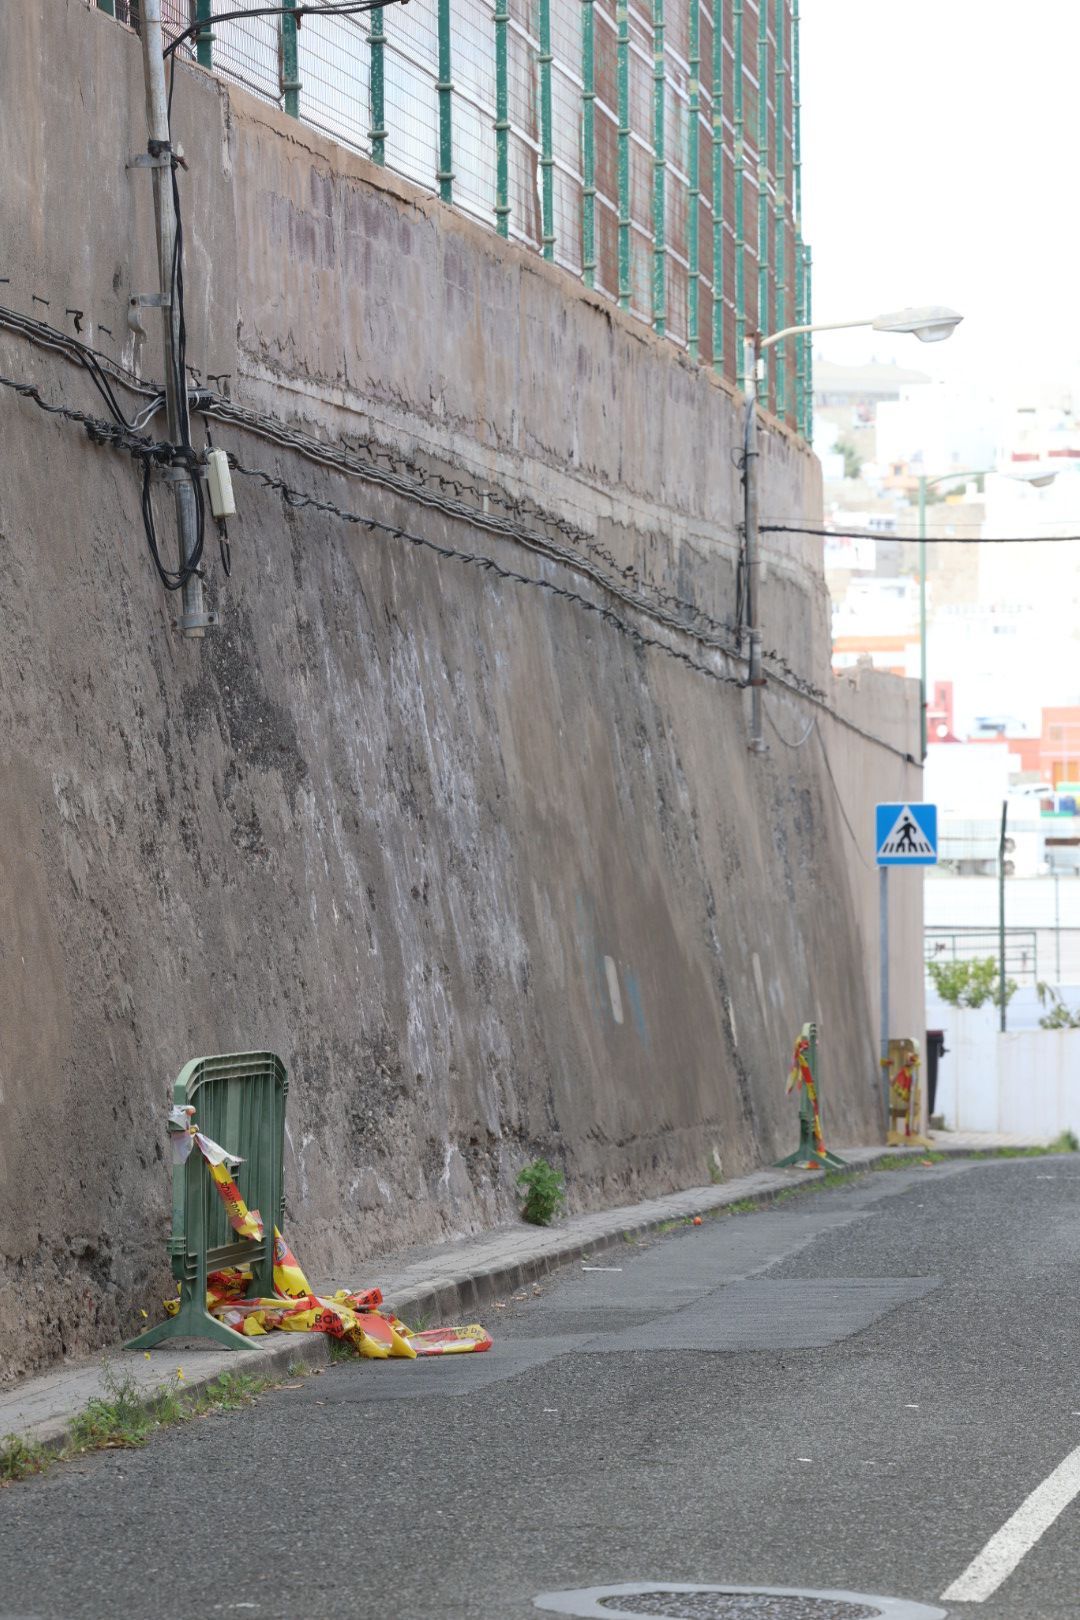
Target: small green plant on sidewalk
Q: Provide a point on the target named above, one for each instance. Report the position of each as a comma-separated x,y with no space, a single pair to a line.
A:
126,1417
970,984
544,1195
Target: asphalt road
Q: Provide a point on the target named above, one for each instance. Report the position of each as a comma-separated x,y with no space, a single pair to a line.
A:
855,1390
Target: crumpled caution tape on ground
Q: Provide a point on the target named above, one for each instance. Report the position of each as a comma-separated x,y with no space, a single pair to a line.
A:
295,1308
801,1076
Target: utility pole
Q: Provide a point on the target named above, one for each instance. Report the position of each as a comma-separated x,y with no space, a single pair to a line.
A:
923,694
1001,911
756,679
193,619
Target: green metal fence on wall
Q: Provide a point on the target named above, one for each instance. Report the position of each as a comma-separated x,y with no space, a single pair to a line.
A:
649,147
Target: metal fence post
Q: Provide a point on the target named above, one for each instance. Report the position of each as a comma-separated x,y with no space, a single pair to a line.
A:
622,23
780,319
445,87
547,161
290,61
588,143
502,120
377,41
659,286
204,39
740,219
763,189
717,154
693,218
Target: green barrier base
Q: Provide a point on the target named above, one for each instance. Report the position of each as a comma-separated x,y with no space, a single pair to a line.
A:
807,1155
192,1322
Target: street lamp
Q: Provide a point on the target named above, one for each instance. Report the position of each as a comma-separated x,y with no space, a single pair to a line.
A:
930,323
1036,481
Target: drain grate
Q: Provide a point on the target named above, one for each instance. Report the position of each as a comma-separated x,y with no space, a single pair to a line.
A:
679,1601
706,1605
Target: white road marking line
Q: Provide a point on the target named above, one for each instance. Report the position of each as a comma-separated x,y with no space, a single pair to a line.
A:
1017,1535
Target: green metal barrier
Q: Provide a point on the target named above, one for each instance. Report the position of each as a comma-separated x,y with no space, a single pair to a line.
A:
239,1101
811,1153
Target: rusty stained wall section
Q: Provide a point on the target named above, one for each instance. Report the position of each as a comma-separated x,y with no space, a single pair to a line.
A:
494,882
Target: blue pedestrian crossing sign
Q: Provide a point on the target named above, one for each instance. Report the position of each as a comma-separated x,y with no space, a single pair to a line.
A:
906,834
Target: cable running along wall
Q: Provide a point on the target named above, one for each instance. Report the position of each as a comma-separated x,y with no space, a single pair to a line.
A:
650,147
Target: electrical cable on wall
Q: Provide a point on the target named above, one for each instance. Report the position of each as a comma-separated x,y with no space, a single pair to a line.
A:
143,449
414,481
346,8
913,539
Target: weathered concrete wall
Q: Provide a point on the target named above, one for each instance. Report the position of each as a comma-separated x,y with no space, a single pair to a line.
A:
494,882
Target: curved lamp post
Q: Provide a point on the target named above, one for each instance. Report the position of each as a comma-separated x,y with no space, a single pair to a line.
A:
930,323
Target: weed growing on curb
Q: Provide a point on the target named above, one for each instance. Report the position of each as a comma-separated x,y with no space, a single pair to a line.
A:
904,1161
19,1458
544,1195
124,1419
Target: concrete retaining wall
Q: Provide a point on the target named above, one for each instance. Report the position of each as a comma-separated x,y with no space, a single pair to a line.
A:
494,881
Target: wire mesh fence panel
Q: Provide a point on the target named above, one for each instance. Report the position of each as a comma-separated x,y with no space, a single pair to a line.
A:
567,196
335,78
473,107
568,182
727,276
697,236
248,50
474,158
677,196
412,115
523,50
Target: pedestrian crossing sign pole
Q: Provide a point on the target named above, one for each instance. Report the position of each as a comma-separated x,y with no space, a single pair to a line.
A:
904,835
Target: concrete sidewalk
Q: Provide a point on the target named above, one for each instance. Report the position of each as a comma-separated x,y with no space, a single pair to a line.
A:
443,1282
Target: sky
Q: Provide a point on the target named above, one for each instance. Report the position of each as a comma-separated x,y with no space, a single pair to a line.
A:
939,145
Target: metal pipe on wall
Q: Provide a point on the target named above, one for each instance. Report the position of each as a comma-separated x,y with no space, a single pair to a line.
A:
755,677
194,620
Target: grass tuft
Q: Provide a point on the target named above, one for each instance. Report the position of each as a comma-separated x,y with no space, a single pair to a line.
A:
20,1458
126,1417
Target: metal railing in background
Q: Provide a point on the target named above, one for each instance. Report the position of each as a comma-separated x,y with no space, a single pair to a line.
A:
970,944
649,147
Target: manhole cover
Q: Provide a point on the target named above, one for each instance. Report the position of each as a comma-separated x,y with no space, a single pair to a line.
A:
684,1602
739,1606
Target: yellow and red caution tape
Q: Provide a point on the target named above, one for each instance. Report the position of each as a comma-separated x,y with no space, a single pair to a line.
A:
801,1075
354,1316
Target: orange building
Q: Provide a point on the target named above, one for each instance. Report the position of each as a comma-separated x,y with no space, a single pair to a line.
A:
1059,744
